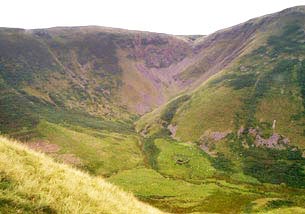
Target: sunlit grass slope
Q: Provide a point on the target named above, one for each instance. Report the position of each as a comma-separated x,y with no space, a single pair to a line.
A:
34,183
100,152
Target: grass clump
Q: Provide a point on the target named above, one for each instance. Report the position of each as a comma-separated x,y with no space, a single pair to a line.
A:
151,152
279,203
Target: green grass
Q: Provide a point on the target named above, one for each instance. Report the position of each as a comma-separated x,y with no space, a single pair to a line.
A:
33,183
240,177
193,185
291,210
183,161
171,108
267,165
179,196
101,153
210,196
209,109
151,152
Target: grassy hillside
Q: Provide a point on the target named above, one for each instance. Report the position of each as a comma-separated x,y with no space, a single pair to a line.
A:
88,68
33,183
263,85
251,115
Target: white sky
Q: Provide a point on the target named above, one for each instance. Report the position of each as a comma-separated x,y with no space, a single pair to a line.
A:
164,16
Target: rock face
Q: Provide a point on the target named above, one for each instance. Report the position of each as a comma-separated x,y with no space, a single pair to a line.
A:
209,139
214,136
158,50
218,135
275,141
173,129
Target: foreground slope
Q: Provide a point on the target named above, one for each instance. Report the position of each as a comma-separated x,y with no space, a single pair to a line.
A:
33,183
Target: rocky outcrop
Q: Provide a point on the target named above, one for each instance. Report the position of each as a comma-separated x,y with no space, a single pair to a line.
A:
275,141
208,139
158,50
217,136
173,129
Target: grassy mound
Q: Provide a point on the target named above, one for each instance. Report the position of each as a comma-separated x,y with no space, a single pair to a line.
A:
34,183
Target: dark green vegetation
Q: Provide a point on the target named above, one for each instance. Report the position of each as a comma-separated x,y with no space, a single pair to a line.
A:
171,108
234,144
270,165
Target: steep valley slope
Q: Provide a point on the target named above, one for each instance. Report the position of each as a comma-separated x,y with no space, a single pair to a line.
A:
202,124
